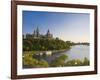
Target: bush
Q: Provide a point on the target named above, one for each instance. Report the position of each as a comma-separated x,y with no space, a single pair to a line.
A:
74,62
43,63
30,62
86,61
77,62
60,61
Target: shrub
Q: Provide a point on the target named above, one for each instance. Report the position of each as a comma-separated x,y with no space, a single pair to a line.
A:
60,61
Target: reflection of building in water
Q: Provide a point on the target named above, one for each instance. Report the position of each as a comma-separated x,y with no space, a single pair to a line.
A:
36,34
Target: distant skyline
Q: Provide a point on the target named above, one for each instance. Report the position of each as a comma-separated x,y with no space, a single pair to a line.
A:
67,26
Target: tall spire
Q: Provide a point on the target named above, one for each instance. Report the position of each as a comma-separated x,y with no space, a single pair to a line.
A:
34,33
37,32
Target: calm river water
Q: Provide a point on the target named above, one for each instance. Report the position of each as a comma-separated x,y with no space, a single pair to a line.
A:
76,52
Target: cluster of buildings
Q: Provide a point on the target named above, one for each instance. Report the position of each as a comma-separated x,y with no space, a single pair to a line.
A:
36,34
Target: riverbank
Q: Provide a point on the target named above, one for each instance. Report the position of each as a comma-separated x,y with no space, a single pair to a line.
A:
44,52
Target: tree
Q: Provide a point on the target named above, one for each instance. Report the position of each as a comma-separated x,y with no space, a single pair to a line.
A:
75,62
86,61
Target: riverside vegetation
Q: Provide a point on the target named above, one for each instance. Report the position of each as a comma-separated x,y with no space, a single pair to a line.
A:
33,46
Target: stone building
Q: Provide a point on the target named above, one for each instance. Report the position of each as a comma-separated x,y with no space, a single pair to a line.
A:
36,34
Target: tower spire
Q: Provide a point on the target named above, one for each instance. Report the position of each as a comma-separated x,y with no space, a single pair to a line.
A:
37,32
49,35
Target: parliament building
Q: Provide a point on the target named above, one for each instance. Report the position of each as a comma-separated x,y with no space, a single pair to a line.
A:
37,34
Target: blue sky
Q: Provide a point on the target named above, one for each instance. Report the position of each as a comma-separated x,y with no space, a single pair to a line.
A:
67,26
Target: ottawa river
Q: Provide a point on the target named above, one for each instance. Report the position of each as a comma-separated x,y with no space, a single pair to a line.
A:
76,52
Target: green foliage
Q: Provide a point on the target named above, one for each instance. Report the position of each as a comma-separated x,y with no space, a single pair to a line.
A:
76,62
43,63
86,61
69,43
30,62
43,44
60,61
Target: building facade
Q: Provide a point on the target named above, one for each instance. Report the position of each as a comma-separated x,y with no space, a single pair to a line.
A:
36,34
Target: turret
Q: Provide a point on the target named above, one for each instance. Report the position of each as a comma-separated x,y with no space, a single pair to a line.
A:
49,35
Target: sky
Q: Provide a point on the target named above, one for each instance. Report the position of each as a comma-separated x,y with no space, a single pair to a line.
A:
66,26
